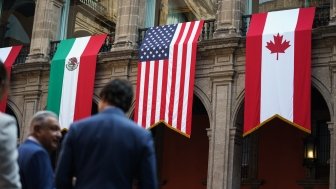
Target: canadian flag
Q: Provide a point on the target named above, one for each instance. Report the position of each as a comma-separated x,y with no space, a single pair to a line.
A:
278,69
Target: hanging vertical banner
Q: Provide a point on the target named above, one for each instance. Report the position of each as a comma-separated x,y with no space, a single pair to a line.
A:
278,69
8,56
72,74
166,72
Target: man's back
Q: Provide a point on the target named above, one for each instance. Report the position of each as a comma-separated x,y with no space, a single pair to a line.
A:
108,151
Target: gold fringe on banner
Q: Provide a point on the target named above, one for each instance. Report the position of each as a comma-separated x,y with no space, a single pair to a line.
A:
281,118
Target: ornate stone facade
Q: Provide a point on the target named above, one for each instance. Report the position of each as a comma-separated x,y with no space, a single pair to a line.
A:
219,82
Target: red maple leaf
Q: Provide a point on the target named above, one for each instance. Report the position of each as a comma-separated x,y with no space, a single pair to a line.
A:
278,46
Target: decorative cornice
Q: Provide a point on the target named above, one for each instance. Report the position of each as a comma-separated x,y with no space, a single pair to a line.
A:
29,67
219,43
324,32
129,54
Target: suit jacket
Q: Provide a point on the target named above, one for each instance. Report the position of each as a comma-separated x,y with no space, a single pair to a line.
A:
107,151
35,166
9,170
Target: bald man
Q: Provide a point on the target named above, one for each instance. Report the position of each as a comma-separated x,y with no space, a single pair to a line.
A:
34,154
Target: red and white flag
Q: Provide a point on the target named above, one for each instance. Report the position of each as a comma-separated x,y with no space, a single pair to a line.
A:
278,68
166,72
8,56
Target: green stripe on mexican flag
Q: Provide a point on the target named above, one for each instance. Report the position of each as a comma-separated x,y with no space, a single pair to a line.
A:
72,76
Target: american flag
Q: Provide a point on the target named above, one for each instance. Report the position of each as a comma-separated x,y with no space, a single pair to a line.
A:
166,72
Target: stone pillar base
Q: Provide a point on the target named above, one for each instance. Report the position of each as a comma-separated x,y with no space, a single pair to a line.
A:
226,33
39,57
124,45
332,21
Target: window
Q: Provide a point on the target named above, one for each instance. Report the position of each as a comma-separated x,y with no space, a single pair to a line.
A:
16,22
162,12
89,17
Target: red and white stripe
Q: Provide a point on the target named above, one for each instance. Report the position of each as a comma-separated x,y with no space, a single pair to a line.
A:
8,56
165,87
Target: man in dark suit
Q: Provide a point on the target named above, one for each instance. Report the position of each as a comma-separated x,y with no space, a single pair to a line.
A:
34,161
107,150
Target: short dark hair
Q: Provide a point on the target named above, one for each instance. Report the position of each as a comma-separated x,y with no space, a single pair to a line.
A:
3,79
3,74
118,93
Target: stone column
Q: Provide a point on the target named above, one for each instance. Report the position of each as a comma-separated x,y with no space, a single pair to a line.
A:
45,29
332,159
332,124
332,12
210,159
228,18
130,13
30,106
220,163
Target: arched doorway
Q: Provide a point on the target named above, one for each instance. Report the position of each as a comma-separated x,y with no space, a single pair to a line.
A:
273,156
182,162
10,111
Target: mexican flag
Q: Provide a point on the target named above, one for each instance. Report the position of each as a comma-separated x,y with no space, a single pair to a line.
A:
72,76
8,56
278,69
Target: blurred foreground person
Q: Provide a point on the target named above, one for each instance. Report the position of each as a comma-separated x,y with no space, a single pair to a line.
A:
34,154
107,150
9,170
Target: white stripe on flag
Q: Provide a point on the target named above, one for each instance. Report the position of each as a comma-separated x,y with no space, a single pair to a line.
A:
141,95
4,53
187,78
150,93
178,80
70,80
170,67
278,100
159,91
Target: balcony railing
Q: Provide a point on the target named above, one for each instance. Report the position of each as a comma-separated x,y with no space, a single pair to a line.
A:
207,31
322,18
106,47
22,56
95,5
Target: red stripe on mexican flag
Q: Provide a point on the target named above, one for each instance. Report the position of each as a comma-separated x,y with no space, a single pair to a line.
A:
72,76
8,56
278,69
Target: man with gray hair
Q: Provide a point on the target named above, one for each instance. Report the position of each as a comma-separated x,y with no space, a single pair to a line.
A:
34,159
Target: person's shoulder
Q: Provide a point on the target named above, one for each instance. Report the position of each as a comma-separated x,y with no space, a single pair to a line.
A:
85,121
31,146
6,118
138,130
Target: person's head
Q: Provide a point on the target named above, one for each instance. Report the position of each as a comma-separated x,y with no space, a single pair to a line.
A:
3,79
45,127
117,93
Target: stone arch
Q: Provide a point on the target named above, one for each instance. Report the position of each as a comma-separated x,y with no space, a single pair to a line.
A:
204,99
15,111
238,108
320,95
325,93
316,83
81,33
